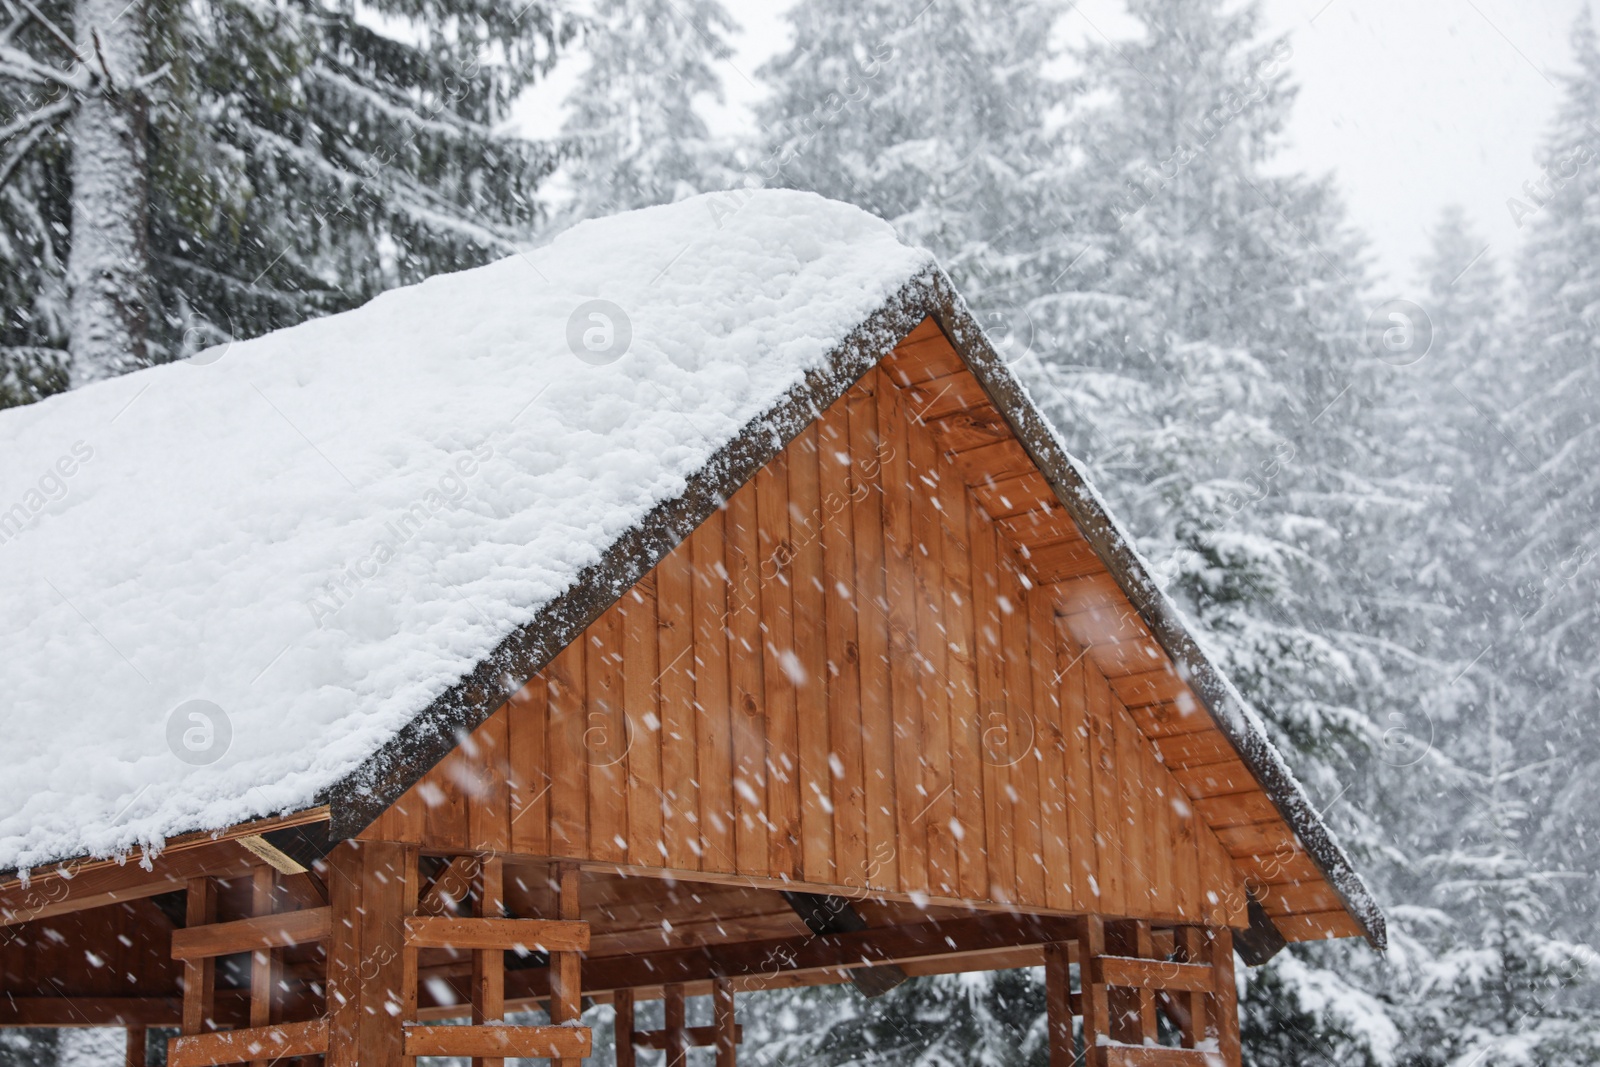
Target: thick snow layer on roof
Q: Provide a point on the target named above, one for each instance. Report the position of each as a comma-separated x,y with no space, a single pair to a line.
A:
316,532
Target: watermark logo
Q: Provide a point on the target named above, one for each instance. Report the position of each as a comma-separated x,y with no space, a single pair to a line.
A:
1009,330
1406,739
199,732
599,332
1399,332
51,486
1008,735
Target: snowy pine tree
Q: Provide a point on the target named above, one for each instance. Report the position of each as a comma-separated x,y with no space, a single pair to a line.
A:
1555,425
633,124
176,175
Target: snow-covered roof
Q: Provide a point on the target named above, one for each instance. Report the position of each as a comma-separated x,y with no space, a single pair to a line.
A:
316,533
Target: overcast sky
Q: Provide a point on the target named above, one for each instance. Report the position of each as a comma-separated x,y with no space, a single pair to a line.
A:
1412,104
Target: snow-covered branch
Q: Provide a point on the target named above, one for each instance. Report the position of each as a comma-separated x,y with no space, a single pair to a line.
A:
21,150
50,113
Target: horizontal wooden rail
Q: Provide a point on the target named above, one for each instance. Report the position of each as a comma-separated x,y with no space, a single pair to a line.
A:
1127,972
247,935
530,935
241,1046
495,1041
698,1037
1153,1056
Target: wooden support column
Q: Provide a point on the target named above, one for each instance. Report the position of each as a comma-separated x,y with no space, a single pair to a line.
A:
677,1037
622,1001
727,1034
1096,1007
1058,1005
263,961
488,965
1223,1009
566,980
372,978
1191,945
1133,1011
199,975
134,1054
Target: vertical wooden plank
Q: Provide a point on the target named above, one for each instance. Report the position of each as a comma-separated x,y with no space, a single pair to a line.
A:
1138,877
488,967
677,1038
1023,734
1185,853
1107,823
605,732
530,767
623,1026
714,740
680,798
722,1014
199,976
1163,828
841,609
566,981
263,962
1096,1009
1050,747
135,1047
1058,1006
905,670
809,672
965,727
569,778
778,660
872,621
994,718
745,680
1073,670
444,804
1223,1010
937,808
489,813
641,701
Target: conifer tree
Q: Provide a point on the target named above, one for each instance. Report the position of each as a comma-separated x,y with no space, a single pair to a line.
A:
175,175
634,129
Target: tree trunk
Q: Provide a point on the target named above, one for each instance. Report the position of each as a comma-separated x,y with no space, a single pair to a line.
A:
108,268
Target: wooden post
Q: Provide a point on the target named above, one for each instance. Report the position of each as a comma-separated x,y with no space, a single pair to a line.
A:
726,1036
263,962
566,981
1096,1008
199,976
372,979
677,1039
1223,1015
134,1055
1191,945
488,965
622,1000
1058,1005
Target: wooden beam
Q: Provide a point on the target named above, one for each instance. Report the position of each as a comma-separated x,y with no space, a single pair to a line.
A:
675,1033
199,974
451,886
489,963
283,1040
1096,1009
1058,1006
91,1011
1223,1008
728,1034
1128,973
271,855
263,961
622,1027
371,986
1156,1056
693,1036
135,1049
498,1042
54,894
566,981
473,934
284,930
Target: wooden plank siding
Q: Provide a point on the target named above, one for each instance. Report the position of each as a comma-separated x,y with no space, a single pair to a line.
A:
889,662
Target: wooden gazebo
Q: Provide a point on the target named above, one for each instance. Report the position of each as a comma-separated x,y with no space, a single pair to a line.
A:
880,691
